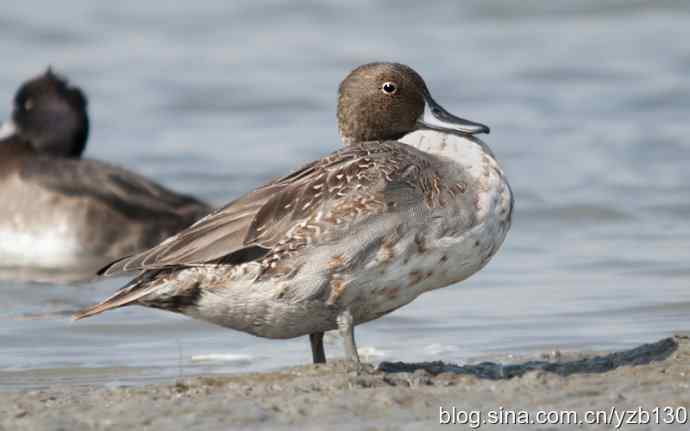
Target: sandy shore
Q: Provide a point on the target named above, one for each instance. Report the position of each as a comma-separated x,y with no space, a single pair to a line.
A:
392,397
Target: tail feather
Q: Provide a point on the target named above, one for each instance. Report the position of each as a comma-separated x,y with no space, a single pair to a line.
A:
129,294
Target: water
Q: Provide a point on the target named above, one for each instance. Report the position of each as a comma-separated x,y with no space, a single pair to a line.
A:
588,104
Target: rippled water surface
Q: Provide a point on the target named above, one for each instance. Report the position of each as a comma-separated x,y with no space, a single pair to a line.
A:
588,102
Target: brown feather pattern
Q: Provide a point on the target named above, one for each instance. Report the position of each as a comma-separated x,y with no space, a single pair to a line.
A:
293,211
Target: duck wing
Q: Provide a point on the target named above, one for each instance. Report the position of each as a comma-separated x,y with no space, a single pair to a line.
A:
134,196
346,187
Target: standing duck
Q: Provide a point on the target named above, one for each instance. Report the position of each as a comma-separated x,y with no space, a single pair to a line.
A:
412,203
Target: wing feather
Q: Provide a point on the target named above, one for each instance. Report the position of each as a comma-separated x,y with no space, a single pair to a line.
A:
261,219
133,195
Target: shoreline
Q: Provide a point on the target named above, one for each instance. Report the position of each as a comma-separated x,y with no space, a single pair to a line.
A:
394,396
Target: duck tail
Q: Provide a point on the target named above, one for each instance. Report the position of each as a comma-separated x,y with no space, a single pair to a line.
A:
127,295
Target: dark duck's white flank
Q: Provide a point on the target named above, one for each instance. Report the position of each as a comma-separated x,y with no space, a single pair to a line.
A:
60,211
347,238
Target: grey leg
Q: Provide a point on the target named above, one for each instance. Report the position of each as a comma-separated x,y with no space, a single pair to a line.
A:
346,327
317,352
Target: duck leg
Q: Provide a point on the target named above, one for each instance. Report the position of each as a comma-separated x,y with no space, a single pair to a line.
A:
346,327
317,352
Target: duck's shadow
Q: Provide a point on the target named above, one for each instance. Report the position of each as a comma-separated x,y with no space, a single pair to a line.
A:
641,355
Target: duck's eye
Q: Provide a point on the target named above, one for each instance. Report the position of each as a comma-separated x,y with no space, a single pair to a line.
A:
28,104
389,88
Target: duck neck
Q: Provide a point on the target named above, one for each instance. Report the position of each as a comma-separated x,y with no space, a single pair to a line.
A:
466,152
459,148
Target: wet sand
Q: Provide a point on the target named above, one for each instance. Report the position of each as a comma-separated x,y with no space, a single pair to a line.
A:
394,396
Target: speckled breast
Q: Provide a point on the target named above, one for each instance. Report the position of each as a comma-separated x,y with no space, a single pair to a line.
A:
443,252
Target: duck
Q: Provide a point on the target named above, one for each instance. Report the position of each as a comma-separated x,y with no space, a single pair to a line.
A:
64,212
412,202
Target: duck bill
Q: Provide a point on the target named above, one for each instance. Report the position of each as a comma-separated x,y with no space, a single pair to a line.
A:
436,118
7,129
